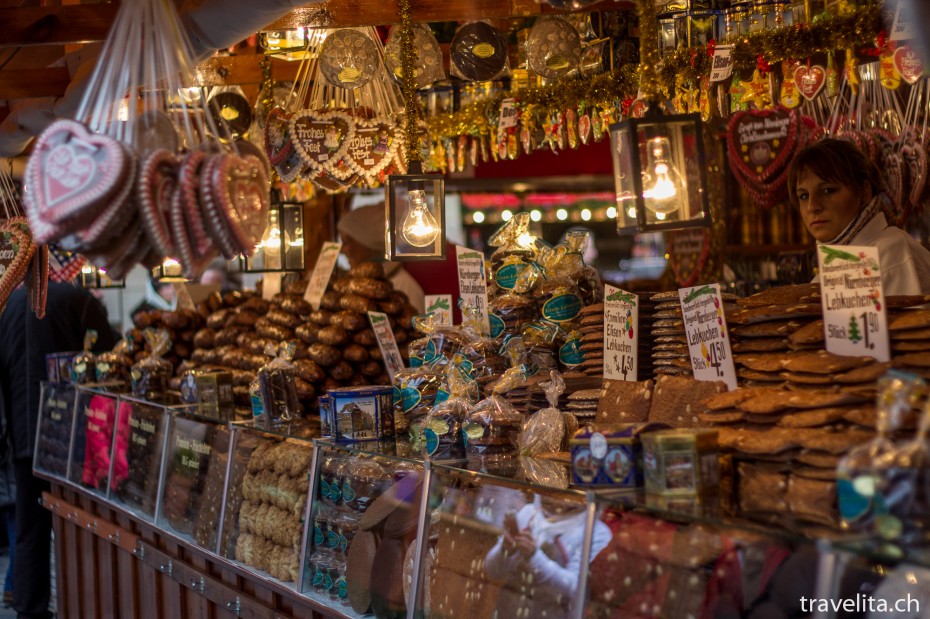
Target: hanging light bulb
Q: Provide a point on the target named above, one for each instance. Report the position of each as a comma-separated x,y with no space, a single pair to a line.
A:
478,217
419,228
663,188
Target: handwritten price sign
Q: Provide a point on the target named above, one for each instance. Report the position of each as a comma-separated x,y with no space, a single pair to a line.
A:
707,333
621,334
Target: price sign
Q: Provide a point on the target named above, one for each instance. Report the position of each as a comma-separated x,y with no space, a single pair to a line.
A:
508,116
386,342
722,68
322,272
708,337
621,334
854,319
473,282
902,28
441,305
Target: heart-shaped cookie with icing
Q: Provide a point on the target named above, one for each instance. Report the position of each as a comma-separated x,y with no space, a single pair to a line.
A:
371,149
242,190
321,139
810,80
154,193
73,173
909,64
37,281
277,136
16,251
762,142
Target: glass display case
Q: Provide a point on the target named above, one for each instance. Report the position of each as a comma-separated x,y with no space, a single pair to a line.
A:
266,498
98,454
193,478
54,427
364,524
144,424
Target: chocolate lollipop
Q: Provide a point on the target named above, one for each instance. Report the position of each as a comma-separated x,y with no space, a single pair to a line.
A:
348,58
479,52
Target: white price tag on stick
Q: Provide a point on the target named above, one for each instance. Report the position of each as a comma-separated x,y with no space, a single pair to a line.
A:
386,342
854,320
722,68
621,334
473,283
707,333
902,28
508,115
322,272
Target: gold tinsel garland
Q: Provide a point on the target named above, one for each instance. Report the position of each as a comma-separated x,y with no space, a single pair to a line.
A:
649,59
685,65
408,83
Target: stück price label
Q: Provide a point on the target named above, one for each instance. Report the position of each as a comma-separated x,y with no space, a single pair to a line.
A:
707,333
621,334
902,28
380,324
322,272
854,320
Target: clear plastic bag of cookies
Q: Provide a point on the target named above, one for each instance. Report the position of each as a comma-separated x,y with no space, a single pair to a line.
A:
277,386
493,428
544,431
82,367
151,375
442,428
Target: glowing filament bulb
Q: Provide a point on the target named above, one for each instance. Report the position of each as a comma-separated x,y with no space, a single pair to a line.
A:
419,228
662,183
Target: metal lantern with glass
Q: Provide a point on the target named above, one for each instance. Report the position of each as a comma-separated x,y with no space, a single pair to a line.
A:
93,277
659,172
282,245
414,203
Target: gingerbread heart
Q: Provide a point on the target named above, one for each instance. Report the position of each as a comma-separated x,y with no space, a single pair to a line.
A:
371,149
37,281
321,139
277,136
915,157
898,177
72,173
215,214
187,193
810,80
16,252
154,194
762,142
909,64
241,187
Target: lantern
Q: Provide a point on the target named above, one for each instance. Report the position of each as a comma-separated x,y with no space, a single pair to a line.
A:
415,216
286,44
170,270
93,277
659,172
281,248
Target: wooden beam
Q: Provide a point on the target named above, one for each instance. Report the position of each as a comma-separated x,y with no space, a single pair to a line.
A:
57,25
243,69
26,83
350,13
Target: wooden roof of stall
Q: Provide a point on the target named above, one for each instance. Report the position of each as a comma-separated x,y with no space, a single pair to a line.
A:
34,38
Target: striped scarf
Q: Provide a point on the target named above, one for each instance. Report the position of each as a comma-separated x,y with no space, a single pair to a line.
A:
858,222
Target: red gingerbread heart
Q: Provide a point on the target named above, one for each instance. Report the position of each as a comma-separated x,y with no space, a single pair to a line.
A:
810,80
762,142
241,190
909,64
72,174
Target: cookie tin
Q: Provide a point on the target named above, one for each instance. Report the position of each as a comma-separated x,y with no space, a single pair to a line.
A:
681,461
609,455
361,413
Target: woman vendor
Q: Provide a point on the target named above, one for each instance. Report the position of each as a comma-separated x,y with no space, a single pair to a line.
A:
837,191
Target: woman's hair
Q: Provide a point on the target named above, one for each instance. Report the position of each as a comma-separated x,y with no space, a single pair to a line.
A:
834,160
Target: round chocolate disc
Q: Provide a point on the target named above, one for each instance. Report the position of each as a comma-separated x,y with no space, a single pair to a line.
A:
553,47
428,62
479,51
232,110
348,58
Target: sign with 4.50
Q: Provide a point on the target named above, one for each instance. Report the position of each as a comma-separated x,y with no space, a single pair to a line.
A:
708,337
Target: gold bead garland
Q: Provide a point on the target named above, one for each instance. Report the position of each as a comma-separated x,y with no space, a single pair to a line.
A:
408,83
649,60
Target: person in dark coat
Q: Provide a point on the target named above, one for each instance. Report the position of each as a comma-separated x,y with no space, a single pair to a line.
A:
70,312
8,508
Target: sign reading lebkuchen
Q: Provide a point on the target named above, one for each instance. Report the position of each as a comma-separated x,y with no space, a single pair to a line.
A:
854,319
621,334
381,325
473,283
707,333
322,272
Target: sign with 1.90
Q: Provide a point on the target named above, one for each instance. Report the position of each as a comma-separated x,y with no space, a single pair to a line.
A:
854,319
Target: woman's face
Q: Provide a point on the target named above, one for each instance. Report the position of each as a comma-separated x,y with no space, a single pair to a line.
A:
827,207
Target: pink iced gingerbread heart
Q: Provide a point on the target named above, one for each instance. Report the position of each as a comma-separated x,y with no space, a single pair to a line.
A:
72,174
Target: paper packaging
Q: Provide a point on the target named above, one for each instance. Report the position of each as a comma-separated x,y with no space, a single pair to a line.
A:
609,455
215,395
681,461
58,366
361,413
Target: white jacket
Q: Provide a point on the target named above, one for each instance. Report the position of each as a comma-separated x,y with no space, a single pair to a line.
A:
905,263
